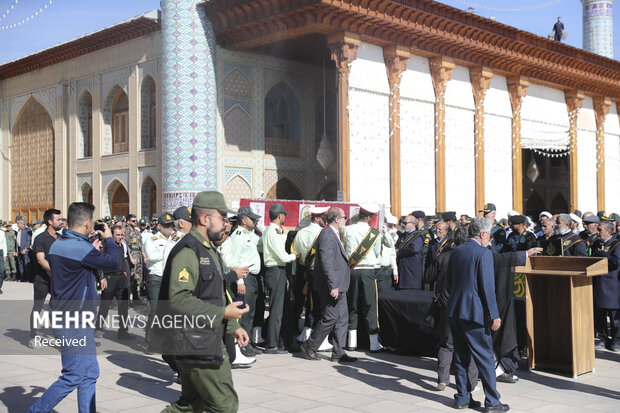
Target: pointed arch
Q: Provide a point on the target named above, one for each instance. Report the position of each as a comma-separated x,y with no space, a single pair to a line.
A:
115,121
149,197
284,189
87,193
32,183
116,199
85,117
236,188
282,121
329,192
148,113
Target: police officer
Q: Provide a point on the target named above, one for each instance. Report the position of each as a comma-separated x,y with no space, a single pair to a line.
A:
154,252
182,224
590,231
193,285
519,239
240,251
362,244
421,226
305,245
275,258
498,234
11,254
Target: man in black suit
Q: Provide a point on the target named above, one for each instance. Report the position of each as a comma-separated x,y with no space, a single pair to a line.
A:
332,277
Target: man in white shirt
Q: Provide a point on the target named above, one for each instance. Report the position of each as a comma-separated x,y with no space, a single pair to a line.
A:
275,257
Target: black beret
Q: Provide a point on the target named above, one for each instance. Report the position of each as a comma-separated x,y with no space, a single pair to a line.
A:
449,216
418,214
518,219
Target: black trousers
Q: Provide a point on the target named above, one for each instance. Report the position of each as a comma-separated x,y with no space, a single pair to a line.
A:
275,283
41,290
609,332
118,287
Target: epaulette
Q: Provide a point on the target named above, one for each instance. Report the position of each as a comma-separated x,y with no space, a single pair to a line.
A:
155,238
176,238
238,232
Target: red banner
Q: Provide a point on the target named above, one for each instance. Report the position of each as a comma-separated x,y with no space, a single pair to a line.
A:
299,210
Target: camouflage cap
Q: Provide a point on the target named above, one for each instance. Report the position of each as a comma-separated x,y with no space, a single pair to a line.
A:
36,221
488,208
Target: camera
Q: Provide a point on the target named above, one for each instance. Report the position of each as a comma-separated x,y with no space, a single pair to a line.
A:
99,226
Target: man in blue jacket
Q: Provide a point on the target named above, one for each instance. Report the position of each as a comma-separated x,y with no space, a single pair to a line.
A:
73,261
472,313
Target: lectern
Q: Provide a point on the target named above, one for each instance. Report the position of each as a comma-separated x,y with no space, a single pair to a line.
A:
559,312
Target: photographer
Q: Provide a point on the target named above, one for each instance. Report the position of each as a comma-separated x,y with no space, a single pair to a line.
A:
73,261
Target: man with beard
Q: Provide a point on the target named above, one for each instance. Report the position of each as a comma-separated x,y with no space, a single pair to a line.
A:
439,244
41,268
409,255
547,226
193,286
590,232
572,244
332,277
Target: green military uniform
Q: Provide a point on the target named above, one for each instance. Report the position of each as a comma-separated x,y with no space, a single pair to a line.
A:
427,237
240,251
11,247
362,294
209,388
133,237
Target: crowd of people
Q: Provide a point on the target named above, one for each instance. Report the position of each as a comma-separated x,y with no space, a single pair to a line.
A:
319,284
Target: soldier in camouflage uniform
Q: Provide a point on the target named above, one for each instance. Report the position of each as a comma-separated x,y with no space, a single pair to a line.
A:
11,253
133,237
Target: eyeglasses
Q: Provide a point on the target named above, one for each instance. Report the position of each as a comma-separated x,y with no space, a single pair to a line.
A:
223,218
343,217
133,220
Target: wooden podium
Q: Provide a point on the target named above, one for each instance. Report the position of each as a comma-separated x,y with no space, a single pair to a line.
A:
559,312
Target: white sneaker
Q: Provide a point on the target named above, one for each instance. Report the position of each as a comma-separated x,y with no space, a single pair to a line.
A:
325,345
242,361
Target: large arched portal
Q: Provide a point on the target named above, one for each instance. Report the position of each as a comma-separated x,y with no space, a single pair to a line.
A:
32,162
119,204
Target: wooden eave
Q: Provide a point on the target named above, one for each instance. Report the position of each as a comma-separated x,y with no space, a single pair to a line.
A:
102,39
427,27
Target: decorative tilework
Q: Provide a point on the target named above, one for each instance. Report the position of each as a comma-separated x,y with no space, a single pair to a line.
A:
118,77
598,27
109,177
236,189
108,193
84,84
189,102
145,112
230,66
245,105
145,197
149,68
15,107
271,176
237,84
237,130
84,179
231,171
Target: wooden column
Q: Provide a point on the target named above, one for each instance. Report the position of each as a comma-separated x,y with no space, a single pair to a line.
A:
343,47
601,109
396,58
574,101
480,78
441,73
517,88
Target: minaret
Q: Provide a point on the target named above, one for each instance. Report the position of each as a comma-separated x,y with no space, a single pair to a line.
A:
598,29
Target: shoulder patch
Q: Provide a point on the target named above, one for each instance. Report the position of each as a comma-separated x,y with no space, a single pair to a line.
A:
205,261
154,238
176,238
183,276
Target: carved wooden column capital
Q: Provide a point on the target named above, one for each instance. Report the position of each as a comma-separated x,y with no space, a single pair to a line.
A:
395,58
480,78
441,73
343,47
517,89
601,109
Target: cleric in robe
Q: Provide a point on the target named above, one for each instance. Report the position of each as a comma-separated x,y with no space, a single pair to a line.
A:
505,338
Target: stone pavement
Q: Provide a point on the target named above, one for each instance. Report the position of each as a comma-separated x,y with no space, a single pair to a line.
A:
133,381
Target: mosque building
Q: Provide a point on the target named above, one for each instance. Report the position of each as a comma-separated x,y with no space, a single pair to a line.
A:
413,104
